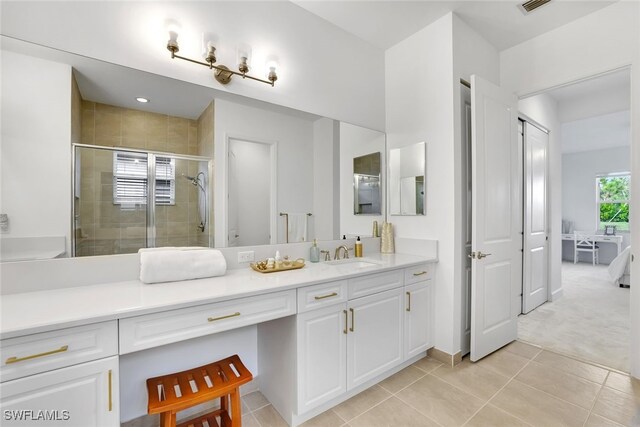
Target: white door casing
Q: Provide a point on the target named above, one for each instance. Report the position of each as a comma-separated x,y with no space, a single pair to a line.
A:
496,219
536,247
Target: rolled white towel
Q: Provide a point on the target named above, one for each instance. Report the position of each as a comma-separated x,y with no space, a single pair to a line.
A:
175,264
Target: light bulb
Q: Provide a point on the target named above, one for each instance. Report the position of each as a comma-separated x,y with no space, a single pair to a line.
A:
209,46
272,68
174,29
244,57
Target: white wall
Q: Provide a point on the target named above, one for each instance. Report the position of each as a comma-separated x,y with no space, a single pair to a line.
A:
326,179
544,110
313,54
421,109
599,42
356,141
36,142
294,139
594,133
579,171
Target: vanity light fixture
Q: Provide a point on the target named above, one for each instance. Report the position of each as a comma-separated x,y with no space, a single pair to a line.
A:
142,99
221,72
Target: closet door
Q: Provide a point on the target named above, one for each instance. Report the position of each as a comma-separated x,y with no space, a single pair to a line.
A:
536,245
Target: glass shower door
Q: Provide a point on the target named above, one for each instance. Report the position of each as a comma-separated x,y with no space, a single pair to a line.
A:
117,211
182,202
110,214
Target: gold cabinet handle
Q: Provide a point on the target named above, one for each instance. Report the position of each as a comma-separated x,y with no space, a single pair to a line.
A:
33,356
353,320
420,273
346,321
213,319
332,294
110,391
409,305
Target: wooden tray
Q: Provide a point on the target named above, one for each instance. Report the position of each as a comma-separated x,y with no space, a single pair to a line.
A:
294,265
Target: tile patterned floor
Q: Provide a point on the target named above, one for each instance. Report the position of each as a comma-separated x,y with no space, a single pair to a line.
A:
519,385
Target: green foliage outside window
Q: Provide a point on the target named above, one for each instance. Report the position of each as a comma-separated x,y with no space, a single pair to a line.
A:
614,201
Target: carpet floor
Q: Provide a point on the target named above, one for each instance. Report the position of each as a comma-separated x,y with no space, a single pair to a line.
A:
590,321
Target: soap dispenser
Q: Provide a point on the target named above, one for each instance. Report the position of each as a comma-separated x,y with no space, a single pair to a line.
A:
358,248
314,254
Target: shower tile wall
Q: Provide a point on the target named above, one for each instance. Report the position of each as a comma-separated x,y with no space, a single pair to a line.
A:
107,228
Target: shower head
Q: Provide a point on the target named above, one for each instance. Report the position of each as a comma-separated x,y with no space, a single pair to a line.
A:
193,179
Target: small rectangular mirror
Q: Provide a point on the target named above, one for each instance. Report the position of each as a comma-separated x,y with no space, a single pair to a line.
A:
407,172
366,185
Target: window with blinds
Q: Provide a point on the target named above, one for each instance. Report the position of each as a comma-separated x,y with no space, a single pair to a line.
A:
130,179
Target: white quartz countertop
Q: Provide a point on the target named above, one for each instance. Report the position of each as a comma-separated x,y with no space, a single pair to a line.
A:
41,311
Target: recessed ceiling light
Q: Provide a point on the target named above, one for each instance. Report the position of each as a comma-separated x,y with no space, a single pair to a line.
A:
141,99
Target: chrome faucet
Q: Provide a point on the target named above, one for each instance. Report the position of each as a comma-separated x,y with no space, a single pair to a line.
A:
345,250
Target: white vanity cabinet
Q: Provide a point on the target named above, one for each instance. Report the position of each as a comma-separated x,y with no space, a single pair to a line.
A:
66,376
345,345
83,395
418,312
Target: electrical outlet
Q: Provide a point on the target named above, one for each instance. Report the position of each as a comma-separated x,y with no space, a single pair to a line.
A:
247,256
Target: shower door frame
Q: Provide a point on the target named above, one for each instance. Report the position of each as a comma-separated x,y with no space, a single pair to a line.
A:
151,189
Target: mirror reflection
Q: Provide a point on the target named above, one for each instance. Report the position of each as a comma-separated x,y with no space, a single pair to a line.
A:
123,174
366,185
407,173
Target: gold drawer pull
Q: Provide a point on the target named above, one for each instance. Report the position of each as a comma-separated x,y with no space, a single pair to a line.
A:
213,319
110,391
33,356
332,294
409,305
420,274
346,321
353,320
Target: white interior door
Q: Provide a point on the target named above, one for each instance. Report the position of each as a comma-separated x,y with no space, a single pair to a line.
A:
536,253
496,219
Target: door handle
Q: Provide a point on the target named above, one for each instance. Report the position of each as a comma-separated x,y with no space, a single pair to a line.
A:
477,255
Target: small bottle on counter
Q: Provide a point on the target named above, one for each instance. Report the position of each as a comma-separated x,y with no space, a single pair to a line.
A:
278,260
314,252
375,232
358,250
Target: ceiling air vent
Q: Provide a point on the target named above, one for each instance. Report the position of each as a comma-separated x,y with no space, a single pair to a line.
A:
531,5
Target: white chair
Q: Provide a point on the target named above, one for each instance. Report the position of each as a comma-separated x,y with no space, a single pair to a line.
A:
582,243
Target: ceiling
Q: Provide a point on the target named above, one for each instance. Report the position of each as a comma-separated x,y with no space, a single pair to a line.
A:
595,113
502,23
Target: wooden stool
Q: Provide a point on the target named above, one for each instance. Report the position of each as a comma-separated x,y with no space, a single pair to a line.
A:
172,393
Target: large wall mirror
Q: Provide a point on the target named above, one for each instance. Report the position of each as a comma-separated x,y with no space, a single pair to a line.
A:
89,169
407,180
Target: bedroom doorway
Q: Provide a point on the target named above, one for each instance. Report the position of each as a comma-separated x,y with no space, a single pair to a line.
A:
588,312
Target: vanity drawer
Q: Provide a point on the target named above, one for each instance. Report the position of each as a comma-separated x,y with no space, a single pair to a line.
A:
321,295
373,283
153,330
418,273
32,354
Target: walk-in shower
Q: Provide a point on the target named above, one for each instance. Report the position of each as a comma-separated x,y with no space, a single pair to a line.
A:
126,199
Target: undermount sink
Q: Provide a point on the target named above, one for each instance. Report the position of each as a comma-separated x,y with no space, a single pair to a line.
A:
355,262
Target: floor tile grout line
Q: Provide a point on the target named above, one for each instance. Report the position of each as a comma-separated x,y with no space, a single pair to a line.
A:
596,399
416,409
552,367
498,391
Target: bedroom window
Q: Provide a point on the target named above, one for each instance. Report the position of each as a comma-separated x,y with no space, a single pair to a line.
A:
613,200
130,179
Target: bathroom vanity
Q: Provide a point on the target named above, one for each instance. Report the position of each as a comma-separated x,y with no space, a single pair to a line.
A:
325,333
